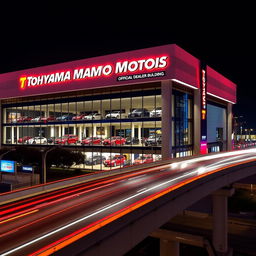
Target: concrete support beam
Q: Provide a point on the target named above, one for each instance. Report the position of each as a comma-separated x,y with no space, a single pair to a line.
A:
169,248
166,91
166,236
229,126
220,220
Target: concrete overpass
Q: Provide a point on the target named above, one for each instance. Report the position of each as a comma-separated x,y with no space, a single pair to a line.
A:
129,220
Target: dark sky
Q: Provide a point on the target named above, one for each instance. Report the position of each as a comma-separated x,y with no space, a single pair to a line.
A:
46,34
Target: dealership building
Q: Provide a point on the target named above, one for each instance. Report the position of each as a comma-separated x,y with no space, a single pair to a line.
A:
136,106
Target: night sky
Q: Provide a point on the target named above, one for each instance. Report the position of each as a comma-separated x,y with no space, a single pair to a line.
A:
45,34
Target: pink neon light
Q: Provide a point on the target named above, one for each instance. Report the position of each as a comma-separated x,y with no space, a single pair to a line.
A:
203,148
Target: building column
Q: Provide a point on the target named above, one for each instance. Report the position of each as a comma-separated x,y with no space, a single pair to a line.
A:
220,220
166,93
62,130
52,134
80,132
197,122
12,135
94,134
139,132
169,248
229,127
18,133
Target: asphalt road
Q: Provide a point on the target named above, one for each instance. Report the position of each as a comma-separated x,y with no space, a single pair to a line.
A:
59,217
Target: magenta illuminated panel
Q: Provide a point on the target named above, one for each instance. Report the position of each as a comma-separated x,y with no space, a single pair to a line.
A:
180,65
220,86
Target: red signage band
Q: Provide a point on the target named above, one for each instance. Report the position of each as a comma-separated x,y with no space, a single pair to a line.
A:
118,68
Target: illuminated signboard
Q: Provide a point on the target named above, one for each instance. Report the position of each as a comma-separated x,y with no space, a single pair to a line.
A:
123,70
8,166
27,169
203,86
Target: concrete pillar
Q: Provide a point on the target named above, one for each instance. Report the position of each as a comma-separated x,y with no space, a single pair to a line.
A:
229,126
12,135
139,132
80,132
62,130
197,122
132,128
166,93
52,131
169,248
18,133
94,134
220,219
59,131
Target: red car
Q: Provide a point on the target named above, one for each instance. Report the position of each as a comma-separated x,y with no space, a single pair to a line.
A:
114,141
115,161
144,159
47,119
91,141
78,117
24,139
67,139
24,119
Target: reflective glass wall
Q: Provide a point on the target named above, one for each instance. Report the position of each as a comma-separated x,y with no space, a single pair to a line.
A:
113,128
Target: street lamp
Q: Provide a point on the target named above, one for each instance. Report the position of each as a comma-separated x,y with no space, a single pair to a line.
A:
44,155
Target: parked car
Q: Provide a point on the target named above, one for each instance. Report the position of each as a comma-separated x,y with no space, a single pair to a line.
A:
51,140
115,161
132,141
115,115
91,141
36,119
24,139
139,112
78,117
153,140
95,160
37,140
116,140
144,159
47,119
67,139
157,112
24,119
93,116
67,117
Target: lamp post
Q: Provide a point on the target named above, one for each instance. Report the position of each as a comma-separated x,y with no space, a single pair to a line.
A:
44,155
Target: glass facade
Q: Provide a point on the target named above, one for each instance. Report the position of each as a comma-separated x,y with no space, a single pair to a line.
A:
113,128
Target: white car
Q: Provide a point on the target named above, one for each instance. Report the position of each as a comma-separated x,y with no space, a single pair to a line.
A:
37,140
95,116
36,119
115,115
157,112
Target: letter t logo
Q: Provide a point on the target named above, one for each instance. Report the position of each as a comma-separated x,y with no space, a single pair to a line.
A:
23,82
